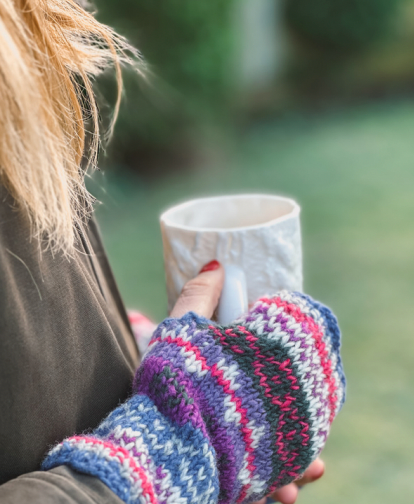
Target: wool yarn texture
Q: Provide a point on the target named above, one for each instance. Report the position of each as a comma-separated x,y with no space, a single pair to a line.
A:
220,414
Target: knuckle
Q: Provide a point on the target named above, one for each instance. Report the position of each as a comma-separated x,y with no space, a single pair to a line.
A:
194,288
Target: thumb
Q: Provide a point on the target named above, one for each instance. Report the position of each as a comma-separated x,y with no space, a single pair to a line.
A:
201,294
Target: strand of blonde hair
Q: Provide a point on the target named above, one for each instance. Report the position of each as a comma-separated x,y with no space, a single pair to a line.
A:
50,52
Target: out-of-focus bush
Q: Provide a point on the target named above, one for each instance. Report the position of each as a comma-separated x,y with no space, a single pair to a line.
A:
187,45
346,50
328,50
345,25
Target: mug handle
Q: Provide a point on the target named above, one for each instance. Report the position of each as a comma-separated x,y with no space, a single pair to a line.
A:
233,301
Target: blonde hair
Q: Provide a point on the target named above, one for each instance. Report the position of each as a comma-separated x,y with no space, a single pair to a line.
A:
50,51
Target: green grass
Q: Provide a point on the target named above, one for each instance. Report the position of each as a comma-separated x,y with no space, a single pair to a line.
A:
353,174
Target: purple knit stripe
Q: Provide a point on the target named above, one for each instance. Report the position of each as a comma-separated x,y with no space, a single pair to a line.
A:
251,401
215,398
212,353
182,413
218,435
227,438
135,453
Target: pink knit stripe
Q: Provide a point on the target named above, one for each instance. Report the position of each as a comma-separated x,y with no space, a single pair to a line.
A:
122,455
295,312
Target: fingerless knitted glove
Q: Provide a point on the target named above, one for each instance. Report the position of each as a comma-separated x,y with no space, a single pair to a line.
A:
220,414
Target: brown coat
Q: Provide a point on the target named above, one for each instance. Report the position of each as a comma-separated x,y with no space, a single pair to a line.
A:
67,358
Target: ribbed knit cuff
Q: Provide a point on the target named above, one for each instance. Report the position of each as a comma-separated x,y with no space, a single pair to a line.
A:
143,457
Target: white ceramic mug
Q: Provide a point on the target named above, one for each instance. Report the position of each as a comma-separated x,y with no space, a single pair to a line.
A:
255,236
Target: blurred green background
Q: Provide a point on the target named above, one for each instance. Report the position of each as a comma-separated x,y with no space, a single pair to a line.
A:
310,99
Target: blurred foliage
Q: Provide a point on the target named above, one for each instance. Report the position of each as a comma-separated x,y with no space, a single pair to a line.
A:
187,46
352,172
345,25
346,50
340,49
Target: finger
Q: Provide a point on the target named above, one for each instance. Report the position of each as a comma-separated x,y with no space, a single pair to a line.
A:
262,501
202,293
287,494
312,473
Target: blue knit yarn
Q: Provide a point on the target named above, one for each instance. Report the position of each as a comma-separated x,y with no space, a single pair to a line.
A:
128,415
90,463
171,446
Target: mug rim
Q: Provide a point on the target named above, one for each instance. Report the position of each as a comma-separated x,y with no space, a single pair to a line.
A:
165,217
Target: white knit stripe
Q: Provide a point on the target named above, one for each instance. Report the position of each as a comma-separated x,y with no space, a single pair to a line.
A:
257,432
334,362
312,312
316,384
229,373
245,475
257,485
231,415
165,333
184,470
165,483
125,469
138,416
174,441
332,355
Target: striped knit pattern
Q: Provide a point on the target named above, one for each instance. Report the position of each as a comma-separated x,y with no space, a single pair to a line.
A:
221,414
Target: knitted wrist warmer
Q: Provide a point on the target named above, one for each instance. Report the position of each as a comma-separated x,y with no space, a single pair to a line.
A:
220,414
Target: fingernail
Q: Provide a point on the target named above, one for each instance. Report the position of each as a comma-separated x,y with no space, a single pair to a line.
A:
211,266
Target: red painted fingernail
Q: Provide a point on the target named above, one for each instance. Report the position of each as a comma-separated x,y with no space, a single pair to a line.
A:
211,266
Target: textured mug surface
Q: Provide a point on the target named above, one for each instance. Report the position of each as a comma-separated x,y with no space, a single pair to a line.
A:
257,232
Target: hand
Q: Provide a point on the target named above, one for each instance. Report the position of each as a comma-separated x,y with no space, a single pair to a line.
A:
201,295
202,377
289,493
